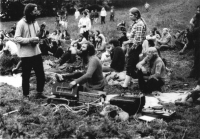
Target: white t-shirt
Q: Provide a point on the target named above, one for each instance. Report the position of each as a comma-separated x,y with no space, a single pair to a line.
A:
11,47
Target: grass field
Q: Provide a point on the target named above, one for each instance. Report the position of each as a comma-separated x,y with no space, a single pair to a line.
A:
35,121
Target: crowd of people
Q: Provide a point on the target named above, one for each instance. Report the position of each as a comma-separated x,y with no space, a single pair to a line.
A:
136,51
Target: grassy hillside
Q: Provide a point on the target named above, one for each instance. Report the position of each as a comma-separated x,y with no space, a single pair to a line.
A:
36,121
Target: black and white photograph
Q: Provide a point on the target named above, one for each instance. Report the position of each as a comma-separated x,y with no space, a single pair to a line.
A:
100,69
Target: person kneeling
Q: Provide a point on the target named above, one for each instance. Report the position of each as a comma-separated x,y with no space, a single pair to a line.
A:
151,78
93,78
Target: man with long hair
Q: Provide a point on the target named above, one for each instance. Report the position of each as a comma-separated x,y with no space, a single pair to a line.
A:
92,79
136,38
29,51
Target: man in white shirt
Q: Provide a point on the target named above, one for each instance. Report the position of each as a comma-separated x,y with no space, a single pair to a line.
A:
84,25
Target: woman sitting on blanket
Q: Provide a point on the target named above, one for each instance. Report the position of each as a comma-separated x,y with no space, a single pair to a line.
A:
92,76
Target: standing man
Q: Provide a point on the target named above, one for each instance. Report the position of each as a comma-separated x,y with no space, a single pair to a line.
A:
29,51
84,25
136,38
195,72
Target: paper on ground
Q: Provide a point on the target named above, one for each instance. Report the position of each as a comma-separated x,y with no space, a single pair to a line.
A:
15,80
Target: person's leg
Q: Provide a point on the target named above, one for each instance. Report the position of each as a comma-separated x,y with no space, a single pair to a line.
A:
39,72
26,64
65,57
141,81
101,19
107,69
154,85
132,60
104,19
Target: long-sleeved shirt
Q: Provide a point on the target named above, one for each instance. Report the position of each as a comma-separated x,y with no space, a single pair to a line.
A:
84,24
94,76
23,34
138,31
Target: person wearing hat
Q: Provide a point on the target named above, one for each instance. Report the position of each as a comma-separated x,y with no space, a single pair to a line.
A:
29,51
136,37
92,79
152,72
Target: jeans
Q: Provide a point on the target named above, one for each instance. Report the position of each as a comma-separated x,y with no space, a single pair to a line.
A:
35,63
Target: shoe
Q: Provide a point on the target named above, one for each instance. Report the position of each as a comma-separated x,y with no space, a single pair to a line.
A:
26,98
40,96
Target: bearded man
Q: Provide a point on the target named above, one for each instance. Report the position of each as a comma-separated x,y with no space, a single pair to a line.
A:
29,51
92,79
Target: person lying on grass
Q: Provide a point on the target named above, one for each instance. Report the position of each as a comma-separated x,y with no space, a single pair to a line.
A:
192,97
151,72
92,75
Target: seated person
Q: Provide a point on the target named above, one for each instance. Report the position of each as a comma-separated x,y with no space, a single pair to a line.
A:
105,57
91,38
93,78
166,40
117,57
123,38
100,46
192,97
70,55
98,33
145,46
183,40
151,76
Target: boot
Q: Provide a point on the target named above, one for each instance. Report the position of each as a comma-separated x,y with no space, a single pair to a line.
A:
40,95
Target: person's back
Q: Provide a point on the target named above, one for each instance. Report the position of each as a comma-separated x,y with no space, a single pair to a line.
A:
118,59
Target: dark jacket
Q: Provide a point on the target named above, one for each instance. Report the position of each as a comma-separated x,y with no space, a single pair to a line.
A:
118,59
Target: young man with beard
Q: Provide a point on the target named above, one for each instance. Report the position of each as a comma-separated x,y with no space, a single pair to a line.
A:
92,79
152,72
29,51
136,38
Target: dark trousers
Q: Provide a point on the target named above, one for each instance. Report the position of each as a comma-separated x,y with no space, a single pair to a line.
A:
112,17
150,84
35,63
103,19
132,60
195,72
